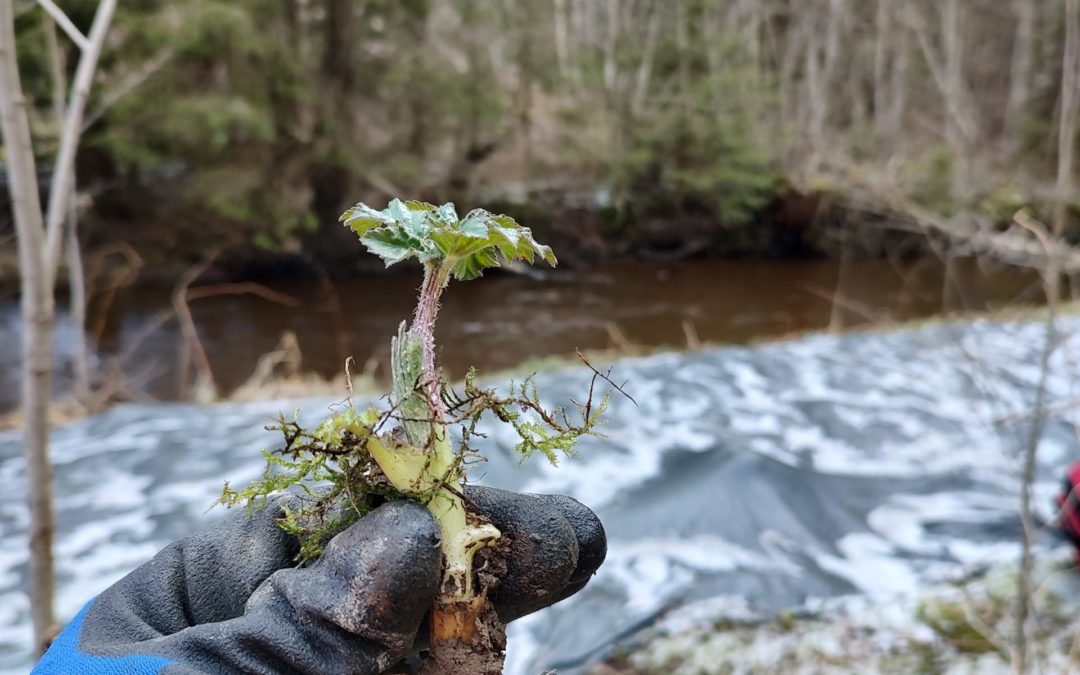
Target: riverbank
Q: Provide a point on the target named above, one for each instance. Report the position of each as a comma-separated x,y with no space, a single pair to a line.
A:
613,313
128,237
502,320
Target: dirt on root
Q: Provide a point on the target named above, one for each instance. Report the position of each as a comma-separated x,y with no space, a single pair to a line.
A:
484,656
489,565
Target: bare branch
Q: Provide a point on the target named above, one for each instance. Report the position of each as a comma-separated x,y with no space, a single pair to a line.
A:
131,82
1015,246
63,171
1021,625
65,24
605,378
192,344
242,288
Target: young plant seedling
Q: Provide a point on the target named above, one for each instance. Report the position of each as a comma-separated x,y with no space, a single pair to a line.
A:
357,459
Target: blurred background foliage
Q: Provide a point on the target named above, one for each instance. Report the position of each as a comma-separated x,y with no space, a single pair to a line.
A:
253,124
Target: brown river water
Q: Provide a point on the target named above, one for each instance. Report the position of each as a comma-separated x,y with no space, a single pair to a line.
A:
502,320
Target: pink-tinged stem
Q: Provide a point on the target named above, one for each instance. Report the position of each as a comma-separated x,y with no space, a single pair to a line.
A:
423,328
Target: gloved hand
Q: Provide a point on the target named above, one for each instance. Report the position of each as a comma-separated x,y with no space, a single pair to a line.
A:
228,600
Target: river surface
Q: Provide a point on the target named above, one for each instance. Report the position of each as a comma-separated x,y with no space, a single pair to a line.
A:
501,320
746,479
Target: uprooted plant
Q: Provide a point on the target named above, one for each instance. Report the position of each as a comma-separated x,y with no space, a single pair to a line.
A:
418,446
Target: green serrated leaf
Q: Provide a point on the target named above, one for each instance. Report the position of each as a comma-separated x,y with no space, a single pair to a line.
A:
506,222
361,226
546,253
476,215
448,213
362,210
414,206
362,218
506,238
475,228
445,240
398,210
417,225
434,234
455,244
472,266
508,228
392,246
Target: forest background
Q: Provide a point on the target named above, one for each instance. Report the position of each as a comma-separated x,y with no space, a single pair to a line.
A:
613,128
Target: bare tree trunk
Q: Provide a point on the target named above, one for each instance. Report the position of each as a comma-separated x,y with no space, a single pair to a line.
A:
959,129
37,310
76,275
898,85
525,58
883,34
562,50
641,89
816,106
1070,110
71,133
77,300
682,45
714,23
755,15
1070,101
837,12
820,65
947,71
59,79
890,73
953,56
792,42
611,65
1027,561
39,248
340,39
1020,74
577,41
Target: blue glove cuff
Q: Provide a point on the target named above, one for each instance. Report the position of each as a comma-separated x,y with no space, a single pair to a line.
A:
64,657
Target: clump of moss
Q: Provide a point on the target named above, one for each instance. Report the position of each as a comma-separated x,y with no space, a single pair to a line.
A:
949,619
338,481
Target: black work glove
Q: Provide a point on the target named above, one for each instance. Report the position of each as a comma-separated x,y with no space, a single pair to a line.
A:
228,599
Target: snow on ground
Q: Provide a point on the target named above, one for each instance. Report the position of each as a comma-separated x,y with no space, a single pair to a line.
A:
953,629
747,480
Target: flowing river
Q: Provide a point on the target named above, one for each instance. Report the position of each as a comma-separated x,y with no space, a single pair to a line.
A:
746,479
501,320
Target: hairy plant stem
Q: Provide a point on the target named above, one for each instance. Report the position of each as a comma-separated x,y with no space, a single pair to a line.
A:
435,468
436,276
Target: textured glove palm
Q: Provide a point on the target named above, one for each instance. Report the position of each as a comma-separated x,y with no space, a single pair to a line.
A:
227,599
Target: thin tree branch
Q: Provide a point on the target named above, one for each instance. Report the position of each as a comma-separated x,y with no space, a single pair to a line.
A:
605,378
1021,626
192,344
64,169
133,81
65,24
